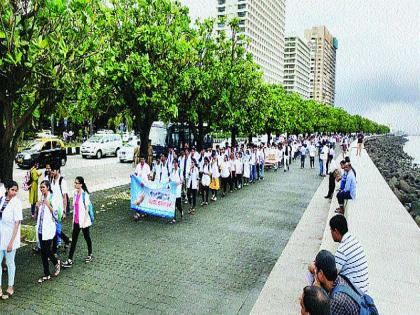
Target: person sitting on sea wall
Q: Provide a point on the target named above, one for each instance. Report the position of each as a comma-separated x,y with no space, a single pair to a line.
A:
350,258
314,301
349,190
327,277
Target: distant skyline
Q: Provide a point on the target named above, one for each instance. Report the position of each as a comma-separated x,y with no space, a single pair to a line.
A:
378,58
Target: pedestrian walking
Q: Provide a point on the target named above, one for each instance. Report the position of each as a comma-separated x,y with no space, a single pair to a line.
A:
81,220
10,219
46,230
192,186
239,170
178,178
215,174
60,194
205,182
33,190
225,174
246,159
312,153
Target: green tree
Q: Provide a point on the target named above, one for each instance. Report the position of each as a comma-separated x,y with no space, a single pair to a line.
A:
43,45
149,51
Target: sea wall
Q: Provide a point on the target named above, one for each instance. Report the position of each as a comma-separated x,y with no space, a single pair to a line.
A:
398,170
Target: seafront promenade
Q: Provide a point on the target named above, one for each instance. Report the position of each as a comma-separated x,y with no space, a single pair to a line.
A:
215,262
388,233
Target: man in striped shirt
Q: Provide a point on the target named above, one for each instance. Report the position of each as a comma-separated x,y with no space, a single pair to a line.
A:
350,257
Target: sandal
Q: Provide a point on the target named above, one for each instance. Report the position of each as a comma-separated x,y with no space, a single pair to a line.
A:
88,259
44,278
7,296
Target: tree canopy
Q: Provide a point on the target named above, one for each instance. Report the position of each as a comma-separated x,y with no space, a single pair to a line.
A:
141,61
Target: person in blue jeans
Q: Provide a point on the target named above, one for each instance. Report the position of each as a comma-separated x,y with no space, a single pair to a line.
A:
10,219
349,190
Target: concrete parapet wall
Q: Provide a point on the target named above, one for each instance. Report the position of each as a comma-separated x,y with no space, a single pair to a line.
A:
390,237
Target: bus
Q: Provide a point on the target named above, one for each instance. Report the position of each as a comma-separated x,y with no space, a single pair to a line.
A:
176,135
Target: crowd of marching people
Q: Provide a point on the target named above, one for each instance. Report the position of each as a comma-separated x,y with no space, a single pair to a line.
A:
201,177
209,174
50,205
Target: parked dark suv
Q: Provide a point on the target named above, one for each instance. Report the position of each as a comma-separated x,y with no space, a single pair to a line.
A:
42,151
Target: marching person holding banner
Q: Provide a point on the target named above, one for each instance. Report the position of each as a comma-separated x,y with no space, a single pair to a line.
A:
192,186
177,177
143,170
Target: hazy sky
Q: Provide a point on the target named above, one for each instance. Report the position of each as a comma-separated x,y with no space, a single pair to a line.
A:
378,59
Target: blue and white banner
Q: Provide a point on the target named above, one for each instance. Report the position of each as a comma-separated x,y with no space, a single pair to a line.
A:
153,198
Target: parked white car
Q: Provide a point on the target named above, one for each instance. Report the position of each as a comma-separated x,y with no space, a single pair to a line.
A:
101,144
126,154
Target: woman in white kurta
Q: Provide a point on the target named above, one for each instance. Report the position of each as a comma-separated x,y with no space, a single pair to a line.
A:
46,229
10,218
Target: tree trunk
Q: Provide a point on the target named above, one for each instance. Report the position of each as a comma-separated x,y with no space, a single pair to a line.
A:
145,126
8,150
249,138
233,133
268,137
200,138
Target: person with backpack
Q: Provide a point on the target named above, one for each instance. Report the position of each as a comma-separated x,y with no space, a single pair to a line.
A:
10,219
60,193
82,220
46,230
345,298
31,184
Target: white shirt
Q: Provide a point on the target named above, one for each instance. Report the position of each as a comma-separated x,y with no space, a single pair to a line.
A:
2,190
11,214
225,167
162,173
193,176
312,150
177,177
232,165
238,166
58,192
143,171
215,170
48,222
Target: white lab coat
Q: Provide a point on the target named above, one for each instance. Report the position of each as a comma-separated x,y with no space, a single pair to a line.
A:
193,177
11,214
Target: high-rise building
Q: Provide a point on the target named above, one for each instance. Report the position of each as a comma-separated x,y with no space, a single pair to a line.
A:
323,48
263,21
297,66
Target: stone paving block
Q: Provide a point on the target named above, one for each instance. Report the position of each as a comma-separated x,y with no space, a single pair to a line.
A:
215,262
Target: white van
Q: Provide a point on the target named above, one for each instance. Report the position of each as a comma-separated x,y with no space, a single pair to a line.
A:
101,144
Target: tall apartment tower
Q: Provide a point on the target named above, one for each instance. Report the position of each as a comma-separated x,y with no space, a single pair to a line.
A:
323,48
263,21
297,67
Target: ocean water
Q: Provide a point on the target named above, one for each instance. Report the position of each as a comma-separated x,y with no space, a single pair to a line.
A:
412,148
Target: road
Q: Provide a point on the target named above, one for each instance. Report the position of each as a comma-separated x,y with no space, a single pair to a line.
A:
100,174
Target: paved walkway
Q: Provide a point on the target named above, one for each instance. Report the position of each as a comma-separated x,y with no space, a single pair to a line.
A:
215,262
391,240
389,235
